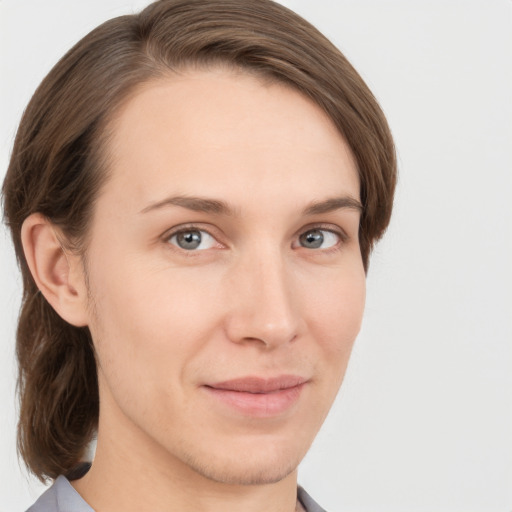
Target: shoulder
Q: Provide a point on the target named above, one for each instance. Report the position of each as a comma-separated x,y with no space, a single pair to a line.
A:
47,502
60,497
309,504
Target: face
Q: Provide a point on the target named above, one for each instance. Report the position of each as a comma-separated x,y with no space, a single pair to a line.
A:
225,278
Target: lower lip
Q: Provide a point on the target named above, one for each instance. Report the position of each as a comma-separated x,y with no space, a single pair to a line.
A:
261,405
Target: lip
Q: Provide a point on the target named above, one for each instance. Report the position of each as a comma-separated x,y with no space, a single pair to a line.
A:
257,396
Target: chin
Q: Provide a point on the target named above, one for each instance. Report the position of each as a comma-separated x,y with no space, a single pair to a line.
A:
244,473
245,468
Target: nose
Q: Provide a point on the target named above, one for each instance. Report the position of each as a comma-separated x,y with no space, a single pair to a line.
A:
263,308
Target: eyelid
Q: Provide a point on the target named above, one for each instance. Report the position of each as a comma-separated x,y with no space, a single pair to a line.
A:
322,226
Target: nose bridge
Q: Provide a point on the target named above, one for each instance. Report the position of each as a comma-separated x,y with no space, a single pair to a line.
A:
263,307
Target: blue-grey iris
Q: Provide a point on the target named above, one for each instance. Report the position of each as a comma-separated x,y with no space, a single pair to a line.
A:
189,239
312,239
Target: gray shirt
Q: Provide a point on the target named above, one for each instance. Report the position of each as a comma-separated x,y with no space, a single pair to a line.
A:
62,497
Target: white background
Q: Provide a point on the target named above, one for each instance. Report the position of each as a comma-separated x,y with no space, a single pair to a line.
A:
424,419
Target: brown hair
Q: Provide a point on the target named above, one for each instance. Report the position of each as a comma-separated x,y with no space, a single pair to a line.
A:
56,169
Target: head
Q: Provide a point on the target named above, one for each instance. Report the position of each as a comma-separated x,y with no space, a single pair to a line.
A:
149,84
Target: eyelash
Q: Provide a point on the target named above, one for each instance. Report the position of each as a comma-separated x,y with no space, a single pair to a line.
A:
314,227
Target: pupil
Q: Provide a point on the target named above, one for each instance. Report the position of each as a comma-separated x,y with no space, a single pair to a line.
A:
312,239
189,239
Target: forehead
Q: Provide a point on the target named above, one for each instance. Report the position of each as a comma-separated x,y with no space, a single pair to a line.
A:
202,130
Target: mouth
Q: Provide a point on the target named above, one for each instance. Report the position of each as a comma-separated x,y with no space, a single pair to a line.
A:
258,397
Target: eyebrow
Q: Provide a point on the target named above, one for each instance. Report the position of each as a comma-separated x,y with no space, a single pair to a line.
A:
196,204
219,207
333,204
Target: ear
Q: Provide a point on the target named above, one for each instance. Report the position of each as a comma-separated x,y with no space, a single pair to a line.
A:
58,274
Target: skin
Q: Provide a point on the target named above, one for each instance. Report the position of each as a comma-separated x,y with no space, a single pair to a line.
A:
254,299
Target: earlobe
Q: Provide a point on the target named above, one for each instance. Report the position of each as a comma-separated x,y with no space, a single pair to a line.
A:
57,273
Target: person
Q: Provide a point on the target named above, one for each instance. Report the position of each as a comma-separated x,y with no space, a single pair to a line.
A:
193,196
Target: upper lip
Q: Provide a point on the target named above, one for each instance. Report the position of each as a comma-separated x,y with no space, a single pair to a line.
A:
254,384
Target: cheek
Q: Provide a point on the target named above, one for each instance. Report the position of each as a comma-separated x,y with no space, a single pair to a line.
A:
335,315
138,335
334,319
150,316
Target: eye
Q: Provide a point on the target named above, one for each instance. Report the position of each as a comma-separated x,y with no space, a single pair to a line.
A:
192,240
319,239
